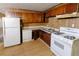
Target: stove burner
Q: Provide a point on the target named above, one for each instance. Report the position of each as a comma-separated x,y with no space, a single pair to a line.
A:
70,37
58,33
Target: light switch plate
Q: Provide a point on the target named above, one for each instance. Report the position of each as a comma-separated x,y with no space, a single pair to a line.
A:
73,25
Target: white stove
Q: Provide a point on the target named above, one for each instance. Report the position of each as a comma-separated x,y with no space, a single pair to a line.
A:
61,43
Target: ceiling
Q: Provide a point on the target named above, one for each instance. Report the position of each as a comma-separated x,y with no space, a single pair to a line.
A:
29,6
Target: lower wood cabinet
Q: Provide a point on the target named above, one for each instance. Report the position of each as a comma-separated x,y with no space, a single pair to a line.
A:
46,37
35,34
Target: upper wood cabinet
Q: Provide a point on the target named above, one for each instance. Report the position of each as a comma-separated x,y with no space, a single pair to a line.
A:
37,17
56,11
33,17
71,7
62,9
50,13
26,15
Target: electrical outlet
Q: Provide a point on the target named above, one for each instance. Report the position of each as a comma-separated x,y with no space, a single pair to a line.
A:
73,25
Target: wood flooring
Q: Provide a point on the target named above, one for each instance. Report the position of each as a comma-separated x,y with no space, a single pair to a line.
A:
31,48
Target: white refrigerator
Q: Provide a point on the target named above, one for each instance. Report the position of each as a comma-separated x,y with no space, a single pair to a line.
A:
11,31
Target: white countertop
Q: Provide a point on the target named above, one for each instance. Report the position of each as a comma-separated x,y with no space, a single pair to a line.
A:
39,27
44,28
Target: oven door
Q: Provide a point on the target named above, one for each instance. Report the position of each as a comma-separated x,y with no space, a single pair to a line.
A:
58,46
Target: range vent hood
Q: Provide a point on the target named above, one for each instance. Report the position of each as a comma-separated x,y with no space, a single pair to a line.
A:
72,15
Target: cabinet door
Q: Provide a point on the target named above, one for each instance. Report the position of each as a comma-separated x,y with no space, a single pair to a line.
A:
71,7
56,11
27,17
53,12
27,35
40,34
44,18
24,17
37,17
64,8
50,13
35,34
41,18
32,17
46,38
60,10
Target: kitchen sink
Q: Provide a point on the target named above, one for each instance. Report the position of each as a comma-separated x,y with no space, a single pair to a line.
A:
48,30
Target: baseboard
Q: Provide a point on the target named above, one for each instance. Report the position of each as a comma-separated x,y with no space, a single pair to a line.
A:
27,40
44,43
56,54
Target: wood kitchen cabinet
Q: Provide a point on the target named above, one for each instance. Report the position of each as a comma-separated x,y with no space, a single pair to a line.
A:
35,34
62,9
70,7
56,11
66,8
50,13
32,17
18,14
27,16
37,17
41,34
44,18
46,37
